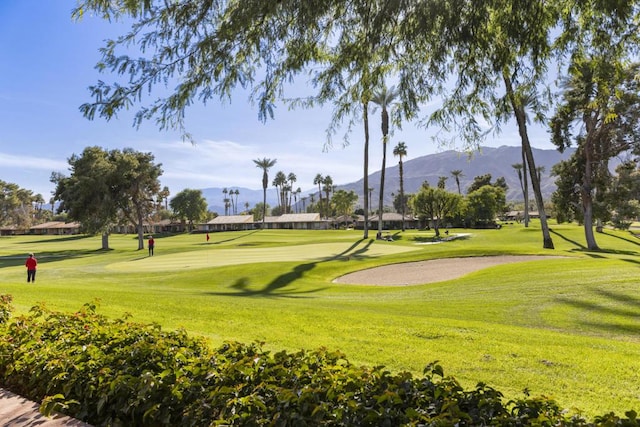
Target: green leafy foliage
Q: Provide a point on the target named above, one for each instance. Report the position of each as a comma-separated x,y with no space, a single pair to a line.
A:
116,372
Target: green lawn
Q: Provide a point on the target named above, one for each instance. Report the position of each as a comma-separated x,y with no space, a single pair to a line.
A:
566,327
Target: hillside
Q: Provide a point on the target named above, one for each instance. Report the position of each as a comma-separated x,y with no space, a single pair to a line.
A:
496,161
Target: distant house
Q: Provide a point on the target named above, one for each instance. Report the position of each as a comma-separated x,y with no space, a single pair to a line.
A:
11,230
228,223
519,215
56,228
390,221
300,221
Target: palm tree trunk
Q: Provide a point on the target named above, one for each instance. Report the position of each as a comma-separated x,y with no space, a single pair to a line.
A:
518,110
402,192
365,116
525,189
381,205
587,198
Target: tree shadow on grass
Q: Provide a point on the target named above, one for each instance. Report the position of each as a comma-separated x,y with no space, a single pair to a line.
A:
593,253
276,288
566,239
44,257
231,239
633,241
60,239
619,304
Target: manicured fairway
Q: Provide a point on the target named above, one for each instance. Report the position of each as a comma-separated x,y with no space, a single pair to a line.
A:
565,327
215,257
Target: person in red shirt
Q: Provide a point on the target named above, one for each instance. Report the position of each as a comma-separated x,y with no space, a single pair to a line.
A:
31,265
152,244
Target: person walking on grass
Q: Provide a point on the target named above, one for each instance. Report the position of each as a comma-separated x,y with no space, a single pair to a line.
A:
31,265
152,244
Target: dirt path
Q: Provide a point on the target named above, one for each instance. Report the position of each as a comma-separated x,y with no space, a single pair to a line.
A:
431,271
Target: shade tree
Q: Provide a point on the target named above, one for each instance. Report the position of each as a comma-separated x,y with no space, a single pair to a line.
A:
189,205
436,204
107,186
600,114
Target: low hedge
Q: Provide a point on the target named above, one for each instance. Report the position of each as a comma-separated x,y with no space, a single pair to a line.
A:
120,373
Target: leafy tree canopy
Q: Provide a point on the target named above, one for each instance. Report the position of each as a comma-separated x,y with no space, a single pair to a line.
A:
107,185
189,204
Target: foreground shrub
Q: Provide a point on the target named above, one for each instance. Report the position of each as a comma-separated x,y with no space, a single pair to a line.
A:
116,372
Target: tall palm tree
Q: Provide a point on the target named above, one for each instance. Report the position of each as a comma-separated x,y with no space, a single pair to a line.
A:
520,167
264,164
279,181
236,193
400,151
225,199
319,180
384,99
296,196
292,178
457,174
327,187
365,179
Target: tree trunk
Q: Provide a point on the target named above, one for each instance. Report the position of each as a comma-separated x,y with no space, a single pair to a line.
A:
140,231
525,189
402,192
381,205
365,115
518,110
587,198
105,241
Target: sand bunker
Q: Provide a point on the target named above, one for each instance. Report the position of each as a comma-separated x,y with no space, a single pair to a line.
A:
431,271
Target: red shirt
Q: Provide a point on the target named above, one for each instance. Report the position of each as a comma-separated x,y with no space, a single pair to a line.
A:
31,263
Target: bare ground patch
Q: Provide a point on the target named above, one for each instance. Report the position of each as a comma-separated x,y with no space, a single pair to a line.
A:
430,271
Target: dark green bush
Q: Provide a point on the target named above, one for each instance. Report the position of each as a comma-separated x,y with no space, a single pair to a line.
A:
116,372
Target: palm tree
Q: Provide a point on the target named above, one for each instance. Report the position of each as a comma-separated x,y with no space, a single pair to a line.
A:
327,187
292,178
400,151
279,182
540,171
457,174
236,192
296,196
225,199
384,98
520,167
264,164
365,179
319,180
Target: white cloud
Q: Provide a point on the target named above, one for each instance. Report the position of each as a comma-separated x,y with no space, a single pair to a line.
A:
21,161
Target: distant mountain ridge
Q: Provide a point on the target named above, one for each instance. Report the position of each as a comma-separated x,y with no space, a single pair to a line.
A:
496,161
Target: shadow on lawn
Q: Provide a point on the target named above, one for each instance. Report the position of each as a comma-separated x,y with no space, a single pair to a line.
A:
565,238
231,239
618,304
60,239
633,241
44,257
275,288
594,253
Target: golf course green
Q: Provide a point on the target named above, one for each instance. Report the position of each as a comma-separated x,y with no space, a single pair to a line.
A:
566,326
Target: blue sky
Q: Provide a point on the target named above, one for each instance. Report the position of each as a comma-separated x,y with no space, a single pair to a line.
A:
47,63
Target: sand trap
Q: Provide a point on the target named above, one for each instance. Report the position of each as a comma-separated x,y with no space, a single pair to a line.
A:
431,271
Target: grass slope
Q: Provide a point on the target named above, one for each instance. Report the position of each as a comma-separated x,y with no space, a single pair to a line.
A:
568,328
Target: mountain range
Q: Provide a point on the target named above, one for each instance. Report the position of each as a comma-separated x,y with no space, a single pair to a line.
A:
487,160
